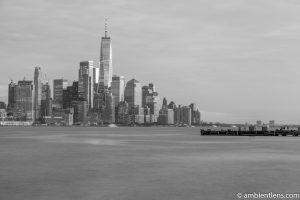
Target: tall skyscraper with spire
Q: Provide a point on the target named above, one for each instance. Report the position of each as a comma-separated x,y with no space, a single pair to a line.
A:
106,69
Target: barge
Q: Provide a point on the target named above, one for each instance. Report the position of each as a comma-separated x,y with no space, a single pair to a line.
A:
249,133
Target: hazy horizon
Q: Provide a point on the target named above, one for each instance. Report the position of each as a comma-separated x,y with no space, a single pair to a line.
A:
237,60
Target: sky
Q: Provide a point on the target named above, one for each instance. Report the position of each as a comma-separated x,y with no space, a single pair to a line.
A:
238,60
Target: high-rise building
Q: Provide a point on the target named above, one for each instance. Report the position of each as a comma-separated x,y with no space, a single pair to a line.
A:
87,82
150,99
3,114
109,111
37,94
153,102
11,95
106,69
117,89
81,111
195,114
123,113
2,105
152,87
183,115
58,86
172,105
170,116
187,115
46,103
24,100
166,116
99,96
67,97
145,92
70,94
259,123
133,94
165,103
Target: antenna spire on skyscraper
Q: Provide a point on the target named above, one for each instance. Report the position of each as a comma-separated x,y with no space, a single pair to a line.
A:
106,27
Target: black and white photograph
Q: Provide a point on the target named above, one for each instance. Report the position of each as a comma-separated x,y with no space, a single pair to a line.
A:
149,99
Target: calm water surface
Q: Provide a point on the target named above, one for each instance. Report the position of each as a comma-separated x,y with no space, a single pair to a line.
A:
43,163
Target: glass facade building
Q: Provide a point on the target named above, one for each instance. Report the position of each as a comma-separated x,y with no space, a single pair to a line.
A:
87,82
106,69
117,88
37,102
24,100
133,94
58,86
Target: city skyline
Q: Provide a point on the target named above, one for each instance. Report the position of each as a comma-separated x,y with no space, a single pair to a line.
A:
234,70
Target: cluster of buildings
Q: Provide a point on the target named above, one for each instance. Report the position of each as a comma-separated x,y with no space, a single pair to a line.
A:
271,126
97,97
259,126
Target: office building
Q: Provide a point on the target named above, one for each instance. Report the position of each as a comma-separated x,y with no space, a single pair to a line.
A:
166,116
165,103
172,105
58,86
11,95
87,82
37,101
151,100
99,97
133,94
109,110
196,115
152,87
3,114
145,92
24,101
81,111
123,113
46,102
2,105
117,88
70,94
186,115
259,123
183,115
106,69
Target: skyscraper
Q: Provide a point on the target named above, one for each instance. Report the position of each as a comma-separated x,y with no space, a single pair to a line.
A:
86,82
11,95
69,95
195,114
151,100
109,111
123,113
37,93
145,92
133,94
58,86
24,100
46,104
106,69
117,89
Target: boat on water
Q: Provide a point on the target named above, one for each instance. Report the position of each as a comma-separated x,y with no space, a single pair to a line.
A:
112,125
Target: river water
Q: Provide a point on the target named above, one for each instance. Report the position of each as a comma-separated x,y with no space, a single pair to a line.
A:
62,163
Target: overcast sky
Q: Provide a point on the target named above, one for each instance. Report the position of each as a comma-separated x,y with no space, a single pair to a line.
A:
237,59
